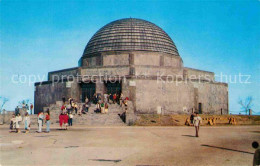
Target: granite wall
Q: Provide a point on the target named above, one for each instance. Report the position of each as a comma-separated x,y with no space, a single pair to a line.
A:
48,93
174,98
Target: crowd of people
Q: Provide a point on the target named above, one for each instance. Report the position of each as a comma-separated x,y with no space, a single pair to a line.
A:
71,108
68,111
25,106
17,121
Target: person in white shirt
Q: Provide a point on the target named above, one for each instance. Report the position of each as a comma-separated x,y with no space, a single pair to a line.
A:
18,120
197,121
27,122
40,122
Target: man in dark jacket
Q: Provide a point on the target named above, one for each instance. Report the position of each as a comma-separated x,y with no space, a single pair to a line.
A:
16,111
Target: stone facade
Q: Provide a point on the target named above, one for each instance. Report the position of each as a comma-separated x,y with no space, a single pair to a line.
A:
155,81
160,82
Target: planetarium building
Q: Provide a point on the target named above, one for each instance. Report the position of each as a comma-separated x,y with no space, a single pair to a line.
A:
138,59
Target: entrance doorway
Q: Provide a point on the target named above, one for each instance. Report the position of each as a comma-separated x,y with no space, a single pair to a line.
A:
88,90
200,108
114,87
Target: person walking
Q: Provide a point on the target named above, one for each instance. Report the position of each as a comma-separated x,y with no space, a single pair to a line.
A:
197,121
40,120
27,122
47,120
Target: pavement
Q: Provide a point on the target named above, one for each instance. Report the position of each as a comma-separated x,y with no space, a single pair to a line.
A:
80,145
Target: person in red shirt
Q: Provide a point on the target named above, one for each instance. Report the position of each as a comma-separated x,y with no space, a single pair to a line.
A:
62,107
114,98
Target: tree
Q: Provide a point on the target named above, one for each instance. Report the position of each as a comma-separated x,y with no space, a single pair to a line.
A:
3,102
246,104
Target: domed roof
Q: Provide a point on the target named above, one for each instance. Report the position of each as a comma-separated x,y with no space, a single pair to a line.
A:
130,34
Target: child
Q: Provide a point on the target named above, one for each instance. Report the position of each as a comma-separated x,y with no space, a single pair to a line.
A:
18,119
70,119
27,122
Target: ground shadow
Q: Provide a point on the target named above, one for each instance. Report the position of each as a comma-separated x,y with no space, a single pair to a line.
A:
255,132
45,135
115,161
71,147
61,129
234,150
188,135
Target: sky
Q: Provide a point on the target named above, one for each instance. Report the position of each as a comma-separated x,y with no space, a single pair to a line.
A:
39,36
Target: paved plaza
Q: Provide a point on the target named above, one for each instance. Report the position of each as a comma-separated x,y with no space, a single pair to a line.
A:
130,146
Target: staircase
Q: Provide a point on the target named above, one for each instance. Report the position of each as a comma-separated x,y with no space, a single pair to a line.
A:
90,118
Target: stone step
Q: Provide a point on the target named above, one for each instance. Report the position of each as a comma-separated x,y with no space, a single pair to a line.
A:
90,118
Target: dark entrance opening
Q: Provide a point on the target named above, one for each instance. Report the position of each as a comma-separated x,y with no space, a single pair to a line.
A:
200,108
114,87
88,90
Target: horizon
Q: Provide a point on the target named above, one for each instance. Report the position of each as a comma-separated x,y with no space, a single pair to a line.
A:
219,37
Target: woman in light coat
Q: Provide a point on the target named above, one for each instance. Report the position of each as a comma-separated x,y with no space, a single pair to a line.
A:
27,122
